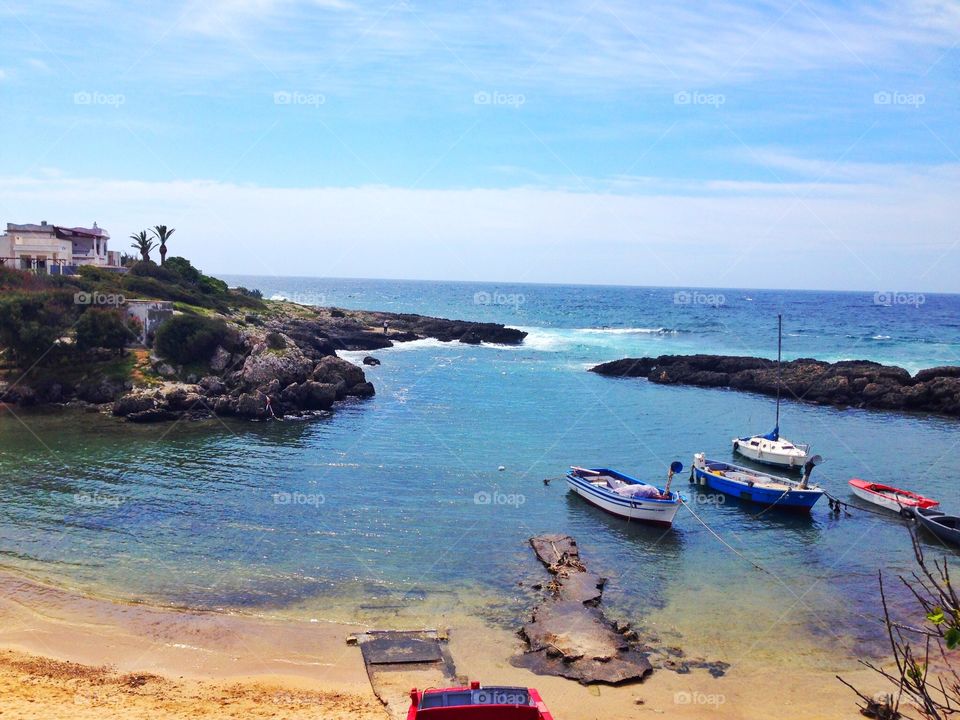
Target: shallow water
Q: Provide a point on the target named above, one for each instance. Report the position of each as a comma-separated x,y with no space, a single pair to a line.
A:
394,506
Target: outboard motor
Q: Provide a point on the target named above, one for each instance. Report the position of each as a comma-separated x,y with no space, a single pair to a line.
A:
808,468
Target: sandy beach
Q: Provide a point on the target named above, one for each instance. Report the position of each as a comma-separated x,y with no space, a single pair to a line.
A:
68,655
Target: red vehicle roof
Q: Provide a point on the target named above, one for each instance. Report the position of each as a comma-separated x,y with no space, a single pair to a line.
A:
477,703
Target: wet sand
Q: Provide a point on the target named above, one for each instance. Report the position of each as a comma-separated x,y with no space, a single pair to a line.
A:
70,655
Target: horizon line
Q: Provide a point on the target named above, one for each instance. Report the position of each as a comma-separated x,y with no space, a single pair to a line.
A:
584,284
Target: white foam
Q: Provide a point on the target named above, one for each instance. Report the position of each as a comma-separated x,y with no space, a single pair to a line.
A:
628,331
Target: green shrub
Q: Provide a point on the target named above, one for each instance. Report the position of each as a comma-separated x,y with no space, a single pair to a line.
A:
276,341
182,268
97,274
151,269
31,324
255,294
154,288
100,328
192,338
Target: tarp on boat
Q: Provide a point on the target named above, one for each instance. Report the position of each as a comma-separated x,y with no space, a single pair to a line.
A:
773,434
639,490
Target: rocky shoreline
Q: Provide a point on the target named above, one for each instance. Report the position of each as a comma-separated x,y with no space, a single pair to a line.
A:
848,383
283,363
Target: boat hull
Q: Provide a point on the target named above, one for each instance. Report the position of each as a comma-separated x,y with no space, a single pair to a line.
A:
945,527
654,512
801,501
898,503
769,457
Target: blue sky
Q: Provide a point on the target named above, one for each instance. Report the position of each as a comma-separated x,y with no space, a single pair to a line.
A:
796,144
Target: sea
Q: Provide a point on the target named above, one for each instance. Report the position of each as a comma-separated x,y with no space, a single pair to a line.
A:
418,503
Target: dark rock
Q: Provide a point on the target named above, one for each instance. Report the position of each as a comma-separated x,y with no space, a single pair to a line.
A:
18,393
225,405
152,415
272,388
252,405
569,635
220,359
265,364
132,403
860,383
332,369
101,390
949,371
182,398
370,360
319,396
212,386
363,389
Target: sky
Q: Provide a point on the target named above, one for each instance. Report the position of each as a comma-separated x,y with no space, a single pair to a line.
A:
799,144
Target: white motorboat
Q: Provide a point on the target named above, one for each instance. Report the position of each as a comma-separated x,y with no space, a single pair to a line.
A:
622,495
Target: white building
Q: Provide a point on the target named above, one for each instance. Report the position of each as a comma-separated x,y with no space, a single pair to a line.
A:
55,249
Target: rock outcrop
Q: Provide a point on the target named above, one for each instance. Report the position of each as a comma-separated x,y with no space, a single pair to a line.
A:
856,383
326,330
271,383
569,635
284,362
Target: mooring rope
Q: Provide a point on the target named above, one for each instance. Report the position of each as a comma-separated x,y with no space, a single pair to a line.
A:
724,542
770,506
840,503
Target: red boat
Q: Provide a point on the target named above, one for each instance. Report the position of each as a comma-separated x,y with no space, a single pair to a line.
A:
889,497
477,703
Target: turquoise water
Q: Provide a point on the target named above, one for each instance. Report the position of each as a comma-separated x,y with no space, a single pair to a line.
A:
382,503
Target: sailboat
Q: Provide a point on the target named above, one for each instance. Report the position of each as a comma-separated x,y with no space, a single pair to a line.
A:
772,448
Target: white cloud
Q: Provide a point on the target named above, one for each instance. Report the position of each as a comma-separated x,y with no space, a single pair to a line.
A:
896,232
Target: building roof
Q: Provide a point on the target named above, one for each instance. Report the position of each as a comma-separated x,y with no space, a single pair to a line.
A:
62,232
29,227
93,232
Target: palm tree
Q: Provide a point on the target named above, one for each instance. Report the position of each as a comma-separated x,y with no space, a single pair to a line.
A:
162,234
143,244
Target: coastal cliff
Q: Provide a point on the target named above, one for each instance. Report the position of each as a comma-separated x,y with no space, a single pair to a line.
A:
286,364
849,383
217,351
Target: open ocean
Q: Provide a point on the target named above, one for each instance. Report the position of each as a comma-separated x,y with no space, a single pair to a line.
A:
397,507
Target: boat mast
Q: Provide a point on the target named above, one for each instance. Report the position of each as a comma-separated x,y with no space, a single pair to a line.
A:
779,353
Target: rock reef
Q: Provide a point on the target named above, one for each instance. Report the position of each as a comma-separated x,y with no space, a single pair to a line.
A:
849,383
569,635
283,363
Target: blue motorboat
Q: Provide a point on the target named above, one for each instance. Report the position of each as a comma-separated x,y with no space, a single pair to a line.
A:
758,487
